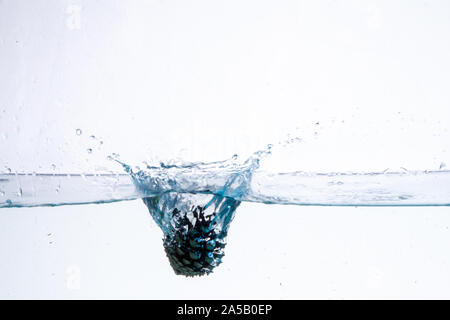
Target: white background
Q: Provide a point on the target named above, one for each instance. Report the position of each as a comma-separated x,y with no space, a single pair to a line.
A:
364,84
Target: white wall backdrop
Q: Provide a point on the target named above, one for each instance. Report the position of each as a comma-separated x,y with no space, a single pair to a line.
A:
364,84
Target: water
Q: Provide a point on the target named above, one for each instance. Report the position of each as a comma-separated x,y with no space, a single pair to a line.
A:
240,181
194,203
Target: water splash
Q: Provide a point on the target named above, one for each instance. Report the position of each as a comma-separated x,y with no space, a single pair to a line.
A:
232,178
194,203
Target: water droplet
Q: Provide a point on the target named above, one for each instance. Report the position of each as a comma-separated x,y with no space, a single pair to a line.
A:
53,167
442,166
89,150
2,193
113,156
19,193
235,156
79,132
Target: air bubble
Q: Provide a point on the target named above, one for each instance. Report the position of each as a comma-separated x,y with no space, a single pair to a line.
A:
79,132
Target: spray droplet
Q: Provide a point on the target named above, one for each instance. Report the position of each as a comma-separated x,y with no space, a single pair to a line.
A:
79,132
19,193
53,167
442,166
89,150
92,137
2,193
113,156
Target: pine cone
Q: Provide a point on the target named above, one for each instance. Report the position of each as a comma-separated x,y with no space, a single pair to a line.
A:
195,248
194,235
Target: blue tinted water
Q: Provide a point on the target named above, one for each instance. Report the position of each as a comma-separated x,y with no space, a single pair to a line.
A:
194,203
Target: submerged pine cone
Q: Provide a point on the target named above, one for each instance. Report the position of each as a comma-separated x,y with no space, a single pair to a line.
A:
194,235
195,248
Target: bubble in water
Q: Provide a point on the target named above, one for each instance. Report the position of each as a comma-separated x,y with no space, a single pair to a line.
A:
79,132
